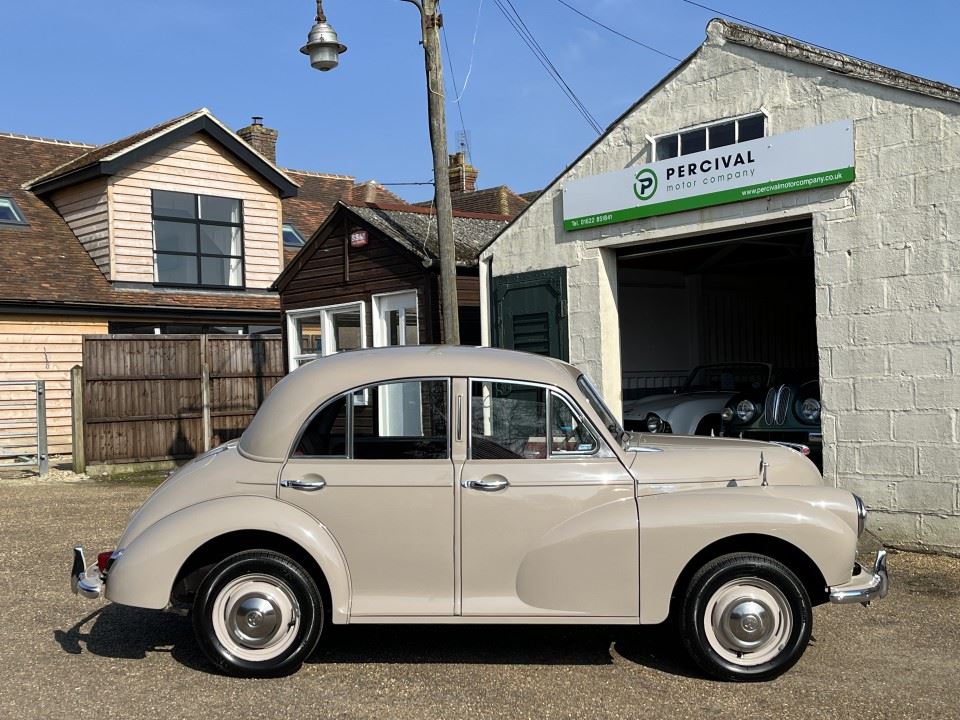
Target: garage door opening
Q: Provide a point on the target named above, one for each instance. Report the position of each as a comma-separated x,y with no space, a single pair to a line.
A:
739,304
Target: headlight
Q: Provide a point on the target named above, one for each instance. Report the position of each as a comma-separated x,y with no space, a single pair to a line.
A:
654,423
861,514
727,414
746,410
810,410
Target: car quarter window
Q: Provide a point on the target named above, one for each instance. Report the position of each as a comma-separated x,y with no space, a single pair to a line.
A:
404,420
570,434
326,434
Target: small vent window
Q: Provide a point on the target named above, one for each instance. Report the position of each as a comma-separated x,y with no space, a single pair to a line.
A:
9,212
292,237
708,137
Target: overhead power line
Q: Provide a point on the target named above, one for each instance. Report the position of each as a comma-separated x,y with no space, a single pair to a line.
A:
520,27
458,95
617,32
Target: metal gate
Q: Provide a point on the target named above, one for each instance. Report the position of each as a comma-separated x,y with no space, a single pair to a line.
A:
23,425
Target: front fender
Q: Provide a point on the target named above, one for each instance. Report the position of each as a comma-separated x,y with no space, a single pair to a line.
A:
144,574
675,526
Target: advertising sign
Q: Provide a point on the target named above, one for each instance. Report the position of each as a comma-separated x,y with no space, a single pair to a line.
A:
801,160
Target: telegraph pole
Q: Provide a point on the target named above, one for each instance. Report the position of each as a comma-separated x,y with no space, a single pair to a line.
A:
432,21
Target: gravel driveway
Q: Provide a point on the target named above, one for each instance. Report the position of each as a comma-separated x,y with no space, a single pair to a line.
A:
65,657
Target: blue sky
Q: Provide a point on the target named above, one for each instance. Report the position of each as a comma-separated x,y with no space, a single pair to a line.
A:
102,69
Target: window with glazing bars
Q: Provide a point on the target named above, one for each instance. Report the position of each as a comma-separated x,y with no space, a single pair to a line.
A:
707,137
198,239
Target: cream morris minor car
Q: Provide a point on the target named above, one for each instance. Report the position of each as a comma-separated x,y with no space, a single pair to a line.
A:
472,485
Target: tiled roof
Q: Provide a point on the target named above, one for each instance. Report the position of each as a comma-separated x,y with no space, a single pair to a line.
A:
43,262
415,228
100,152
315,199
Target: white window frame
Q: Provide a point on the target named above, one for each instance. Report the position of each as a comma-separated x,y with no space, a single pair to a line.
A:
379,339
325,313
653,140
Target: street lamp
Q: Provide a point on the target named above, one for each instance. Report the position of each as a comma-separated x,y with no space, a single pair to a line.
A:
324,50
322,44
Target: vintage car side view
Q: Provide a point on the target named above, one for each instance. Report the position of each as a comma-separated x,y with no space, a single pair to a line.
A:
476,485
695,408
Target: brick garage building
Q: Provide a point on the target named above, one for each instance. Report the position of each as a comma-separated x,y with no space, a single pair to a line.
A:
848,267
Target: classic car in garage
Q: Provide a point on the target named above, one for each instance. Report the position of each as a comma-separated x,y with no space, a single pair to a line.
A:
695,408
476,485
787,412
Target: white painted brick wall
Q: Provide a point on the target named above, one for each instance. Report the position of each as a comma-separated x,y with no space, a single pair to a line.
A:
887,270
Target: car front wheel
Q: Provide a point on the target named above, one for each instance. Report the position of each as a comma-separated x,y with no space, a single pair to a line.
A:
745,617
258,614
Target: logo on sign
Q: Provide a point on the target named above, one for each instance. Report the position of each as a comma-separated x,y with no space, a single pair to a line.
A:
646,184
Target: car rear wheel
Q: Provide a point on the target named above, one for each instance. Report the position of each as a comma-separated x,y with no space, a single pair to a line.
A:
745,617
258,614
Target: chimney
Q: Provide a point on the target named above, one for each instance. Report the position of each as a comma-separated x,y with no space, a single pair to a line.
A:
463,175
263,139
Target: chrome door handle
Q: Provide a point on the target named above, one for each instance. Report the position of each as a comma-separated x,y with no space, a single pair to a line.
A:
305,485
487,484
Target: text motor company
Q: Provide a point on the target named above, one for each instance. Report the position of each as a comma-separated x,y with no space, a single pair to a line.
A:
810,158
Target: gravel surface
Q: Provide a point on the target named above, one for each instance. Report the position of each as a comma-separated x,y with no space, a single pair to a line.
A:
66,657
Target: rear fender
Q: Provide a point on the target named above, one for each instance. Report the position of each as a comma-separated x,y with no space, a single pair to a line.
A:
676,526
143,576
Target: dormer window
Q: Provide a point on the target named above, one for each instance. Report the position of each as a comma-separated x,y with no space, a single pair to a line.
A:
707,137
9,212
198,239
292,237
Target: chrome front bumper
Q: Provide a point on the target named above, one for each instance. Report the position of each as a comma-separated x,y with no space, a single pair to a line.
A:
86,580
866,585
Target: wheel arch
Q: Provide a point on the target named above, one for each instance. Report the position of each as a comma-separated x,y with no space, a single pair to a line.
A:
798,561
195,567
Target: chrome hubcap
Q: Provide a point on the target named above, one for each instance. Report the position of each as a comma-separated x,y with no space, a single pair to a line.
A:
748,621
256,617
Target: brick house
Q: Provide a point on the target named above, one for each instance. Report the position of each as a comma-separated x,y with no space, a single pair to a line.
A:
657,250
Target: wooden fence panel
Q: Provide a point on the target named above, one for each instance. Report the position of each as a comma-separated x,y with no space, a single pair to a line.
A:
143,395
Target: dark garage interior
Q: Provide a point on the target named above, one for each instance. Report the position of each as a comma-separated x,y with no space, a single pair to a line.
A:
741,296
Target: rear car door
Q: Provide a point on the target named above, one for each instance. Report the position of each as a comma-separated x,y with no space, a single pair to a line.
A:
374,466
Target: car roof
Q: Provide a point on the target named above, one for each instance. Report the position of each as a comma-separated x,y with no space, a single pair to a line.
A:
299,394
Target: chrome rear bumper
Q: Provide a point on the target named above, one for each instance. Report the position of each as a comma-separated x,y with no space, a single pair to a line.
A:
866,585
84,580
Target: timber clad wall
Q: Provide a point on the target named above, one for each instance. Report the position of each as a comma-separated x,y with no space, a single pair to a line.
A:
33,348
86,211
337,273
194,165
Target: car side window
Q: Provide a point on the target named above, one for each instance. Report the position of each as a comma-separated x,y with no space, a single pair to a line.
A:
326,434
570,435
508,421
401,421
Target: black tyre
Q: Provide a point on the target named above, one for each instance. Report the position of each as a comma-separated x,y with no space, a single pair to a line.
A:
258,614
745,617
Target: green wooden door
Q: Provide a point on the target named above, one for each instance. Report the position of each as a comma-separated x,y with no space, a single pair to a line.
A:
530,312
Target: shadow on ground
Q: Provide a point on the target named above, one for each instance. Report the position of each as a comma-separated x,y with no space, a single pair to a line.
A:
122,632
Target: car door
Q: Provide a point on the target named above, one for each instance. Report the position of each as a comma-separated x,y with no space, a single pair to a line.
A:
385,491
548,520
